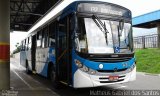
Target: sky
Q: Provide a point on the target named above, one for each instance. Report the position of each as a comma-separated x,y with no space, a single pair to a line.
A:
16,37
138,7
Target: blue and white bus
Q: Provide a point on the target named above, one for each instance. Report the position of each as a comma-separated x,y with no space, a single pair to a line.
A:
82,44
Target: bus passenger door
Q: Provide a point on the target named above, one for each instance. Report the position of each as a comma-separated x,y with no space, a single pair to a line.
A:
63,53
33,52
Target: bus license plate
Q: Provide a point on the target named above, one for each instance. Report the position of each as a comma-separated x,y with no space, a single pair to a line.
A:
113,78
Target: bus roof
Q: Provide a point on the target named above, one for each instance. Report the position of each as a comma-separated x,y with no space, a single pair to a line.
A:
57,9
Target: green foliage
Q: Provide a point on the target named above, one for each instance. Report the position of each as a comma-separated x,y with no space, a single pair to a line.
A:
18,49
148,60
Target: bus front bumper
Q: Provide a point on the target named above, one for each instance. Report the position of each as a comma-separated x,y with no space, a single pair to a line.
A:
83,80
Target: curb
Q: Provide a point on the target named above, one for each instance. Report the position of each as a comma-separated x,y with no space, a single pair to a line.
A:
143,73
152,74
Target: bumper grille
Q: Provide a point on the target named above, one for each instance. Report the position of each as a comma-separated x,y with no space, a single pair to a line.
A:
111,71
111,81
107,58
110,60
102,78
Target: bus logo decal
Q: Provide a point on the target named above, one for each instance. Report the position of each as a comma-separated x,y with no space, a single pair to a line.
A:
101,66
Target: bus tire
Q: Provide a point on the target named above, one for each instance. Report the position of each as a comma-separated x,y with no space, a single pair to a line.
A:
27,68
53,78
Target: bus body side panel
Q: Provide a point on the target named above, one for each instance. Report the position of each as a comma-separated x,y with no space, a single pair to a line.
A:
38,60
44,56
23,58
28,55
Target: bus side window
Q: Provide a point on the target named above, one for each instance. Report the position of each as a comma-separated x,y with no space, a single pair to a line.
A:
25,45
72,23
72,28
39,39
62,33
45,37
29,45
22,46
52,29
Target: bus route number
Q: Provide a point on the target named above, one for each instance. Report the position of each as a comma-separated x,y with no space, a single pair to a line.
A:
94,9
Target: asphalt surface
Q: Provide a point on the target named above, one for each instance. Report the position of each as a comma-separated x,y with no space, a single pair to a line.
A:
23,84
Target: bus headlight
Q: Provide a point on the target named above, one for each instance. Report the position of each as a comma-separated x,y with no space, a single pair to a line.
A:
78,63
86,69
92,72
132,67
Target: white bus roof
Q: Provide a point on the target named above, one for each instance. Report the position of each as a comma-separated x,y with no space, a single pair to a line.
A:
54,12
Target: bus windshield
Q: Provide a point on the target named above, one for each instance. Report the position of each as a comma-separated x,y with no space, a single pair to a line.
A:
96,38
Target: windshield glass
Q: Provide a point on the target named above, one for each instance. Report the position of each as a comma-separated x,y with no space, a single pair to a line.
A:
102,38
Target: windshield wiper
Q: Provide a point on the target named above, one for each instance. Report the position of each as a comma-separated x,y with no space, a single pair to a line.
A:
101,26
98,22
120,30
121,26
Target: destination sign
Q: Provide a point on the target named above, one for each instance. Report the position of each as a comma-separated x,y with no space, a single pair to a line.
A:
103,9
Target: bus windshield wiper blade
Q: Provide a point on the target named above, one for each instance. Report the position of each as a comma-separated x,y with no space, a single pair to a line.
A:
100,25
120,30
106,31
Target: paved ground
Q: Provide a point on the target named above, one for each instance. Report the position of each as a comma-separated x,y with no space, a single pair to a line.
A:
35,85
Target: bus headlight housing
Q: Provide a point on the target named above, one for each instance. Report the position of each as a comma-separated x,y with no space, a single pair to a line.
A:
84,68
92,71
78,63
132,67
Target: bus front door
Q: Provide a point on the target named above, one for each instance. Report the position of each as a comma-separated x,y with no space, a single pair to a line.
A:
63,52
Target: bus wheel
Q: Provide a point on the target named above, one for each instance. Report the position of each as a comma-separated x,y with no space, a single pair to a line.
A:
27,68
53,78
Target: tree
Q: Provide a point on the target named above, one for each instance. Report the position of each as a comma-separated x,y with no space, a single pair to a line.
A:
17,50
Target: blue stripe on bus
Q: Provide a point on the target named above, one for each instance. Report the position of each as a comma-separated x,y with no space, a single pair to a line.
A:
52,59
106,66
